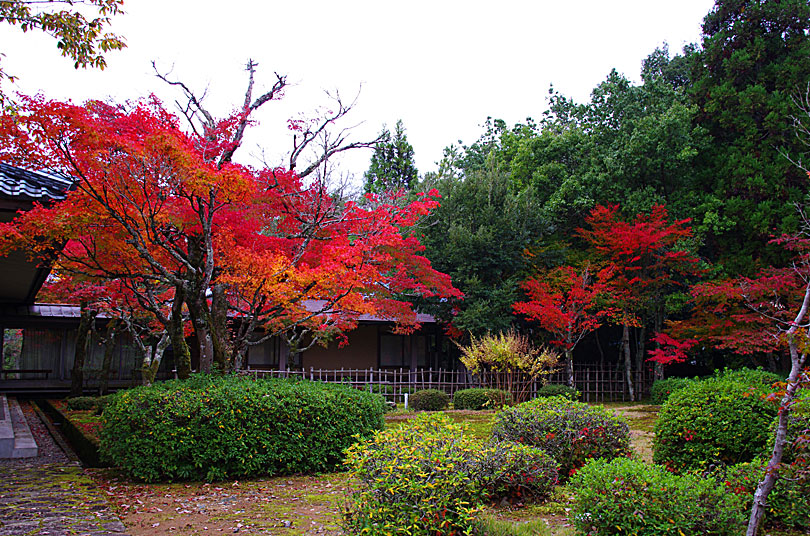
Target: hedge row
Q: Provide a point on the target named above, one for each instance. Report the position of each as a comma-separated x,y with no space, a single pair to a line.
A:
234,427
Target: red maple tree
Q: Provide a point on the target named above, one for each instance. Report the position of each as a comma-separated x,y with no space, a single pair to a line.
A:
168,220
569,303
648,261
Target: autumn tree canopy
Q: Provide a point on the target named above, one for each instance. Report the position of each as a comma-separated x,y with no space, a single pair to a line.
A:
177,227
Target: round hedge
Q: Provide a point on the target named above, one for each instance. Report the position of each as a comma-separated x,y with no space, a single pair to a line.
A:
626,496
558,389
478,398
231,427
661,389
571,432
429,400
718,421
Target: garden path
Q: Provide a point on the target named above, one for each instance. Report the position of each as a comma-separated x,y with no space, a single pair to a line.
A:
50,494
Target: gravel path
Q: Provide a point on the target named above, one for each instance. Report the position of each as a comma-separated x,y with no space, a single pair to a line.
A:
50,494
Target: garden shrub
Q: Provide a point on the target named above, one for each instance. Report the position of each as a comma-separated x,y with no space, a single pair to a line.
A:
558,389
626,496
754,377
429,477
478,398
718,421
788,502
661,389
82,403
429,400
233,426
571,432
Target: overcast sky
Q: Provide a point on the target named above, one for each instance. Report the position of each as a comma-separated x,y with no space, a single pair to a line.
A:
441,66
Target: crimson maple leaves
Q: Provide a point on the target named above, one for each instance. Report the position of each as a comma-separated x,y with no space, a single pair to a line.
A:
632,265
161,224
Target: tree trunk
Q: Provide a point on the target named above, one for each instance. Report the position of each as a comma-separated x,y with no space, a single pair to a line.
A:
569,367
82,339
109,351
797,361
628,362
152,358
219,328
641,346
601,352
182,354
658,371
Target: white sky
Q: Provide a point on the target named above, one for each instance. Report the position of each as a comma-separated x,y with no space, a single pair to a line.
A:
441,66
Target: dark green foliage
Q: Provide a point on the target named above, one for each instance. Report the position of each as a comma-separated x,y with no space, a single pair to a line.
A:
718,421
392,167
233,427
558,389
661,389
788,502
429,400
478,398
478,236
755,57
571,432
82,403
631,497
428,477
754,377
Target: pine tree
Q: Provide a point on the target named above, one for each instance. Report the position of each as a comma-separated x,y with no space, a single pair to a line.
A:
392,167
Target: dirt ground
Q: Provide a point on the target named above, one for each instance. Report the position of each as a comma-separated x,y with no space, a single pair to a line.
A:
278,506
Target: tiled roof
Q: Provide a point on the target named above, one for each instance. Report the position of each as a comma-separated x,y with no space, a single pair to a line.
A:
318,306
21,184
57,310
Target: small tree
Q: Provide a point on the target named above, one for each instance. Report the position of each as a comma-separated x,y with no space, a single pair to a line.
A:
647,260
508,361
565,302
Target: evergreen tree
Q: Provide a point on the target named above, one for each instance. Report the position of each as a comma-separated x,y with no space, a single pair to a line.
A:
755,58
392,167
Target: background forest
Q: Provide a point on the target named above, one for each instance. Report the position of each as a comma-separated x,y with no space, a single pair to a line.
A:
713,135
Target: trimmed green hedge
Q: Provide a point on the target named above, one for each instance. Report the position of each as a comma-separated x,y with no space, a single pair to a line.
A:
478,398
631,497
232,427
718,421
429,400
557,389
661,389
571,432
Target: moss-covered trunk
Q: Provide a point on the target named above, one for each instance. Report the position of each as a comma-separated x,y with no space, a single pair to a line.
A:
109,352
80,355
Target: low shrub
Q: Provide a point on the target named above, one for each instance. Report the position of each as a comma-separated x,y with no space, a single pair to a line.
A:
754,377
429,477
718,421
571,432
82,403
788,501
558,389
478,398
631,497
429,400
661,389
232,427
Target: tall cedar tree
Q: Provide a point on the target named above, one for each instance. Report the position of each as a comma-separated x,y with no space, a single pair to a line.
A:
755,57
392,167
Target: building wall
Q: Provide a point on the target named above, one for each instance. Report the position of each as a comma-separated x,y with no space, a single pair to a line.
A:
361,352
